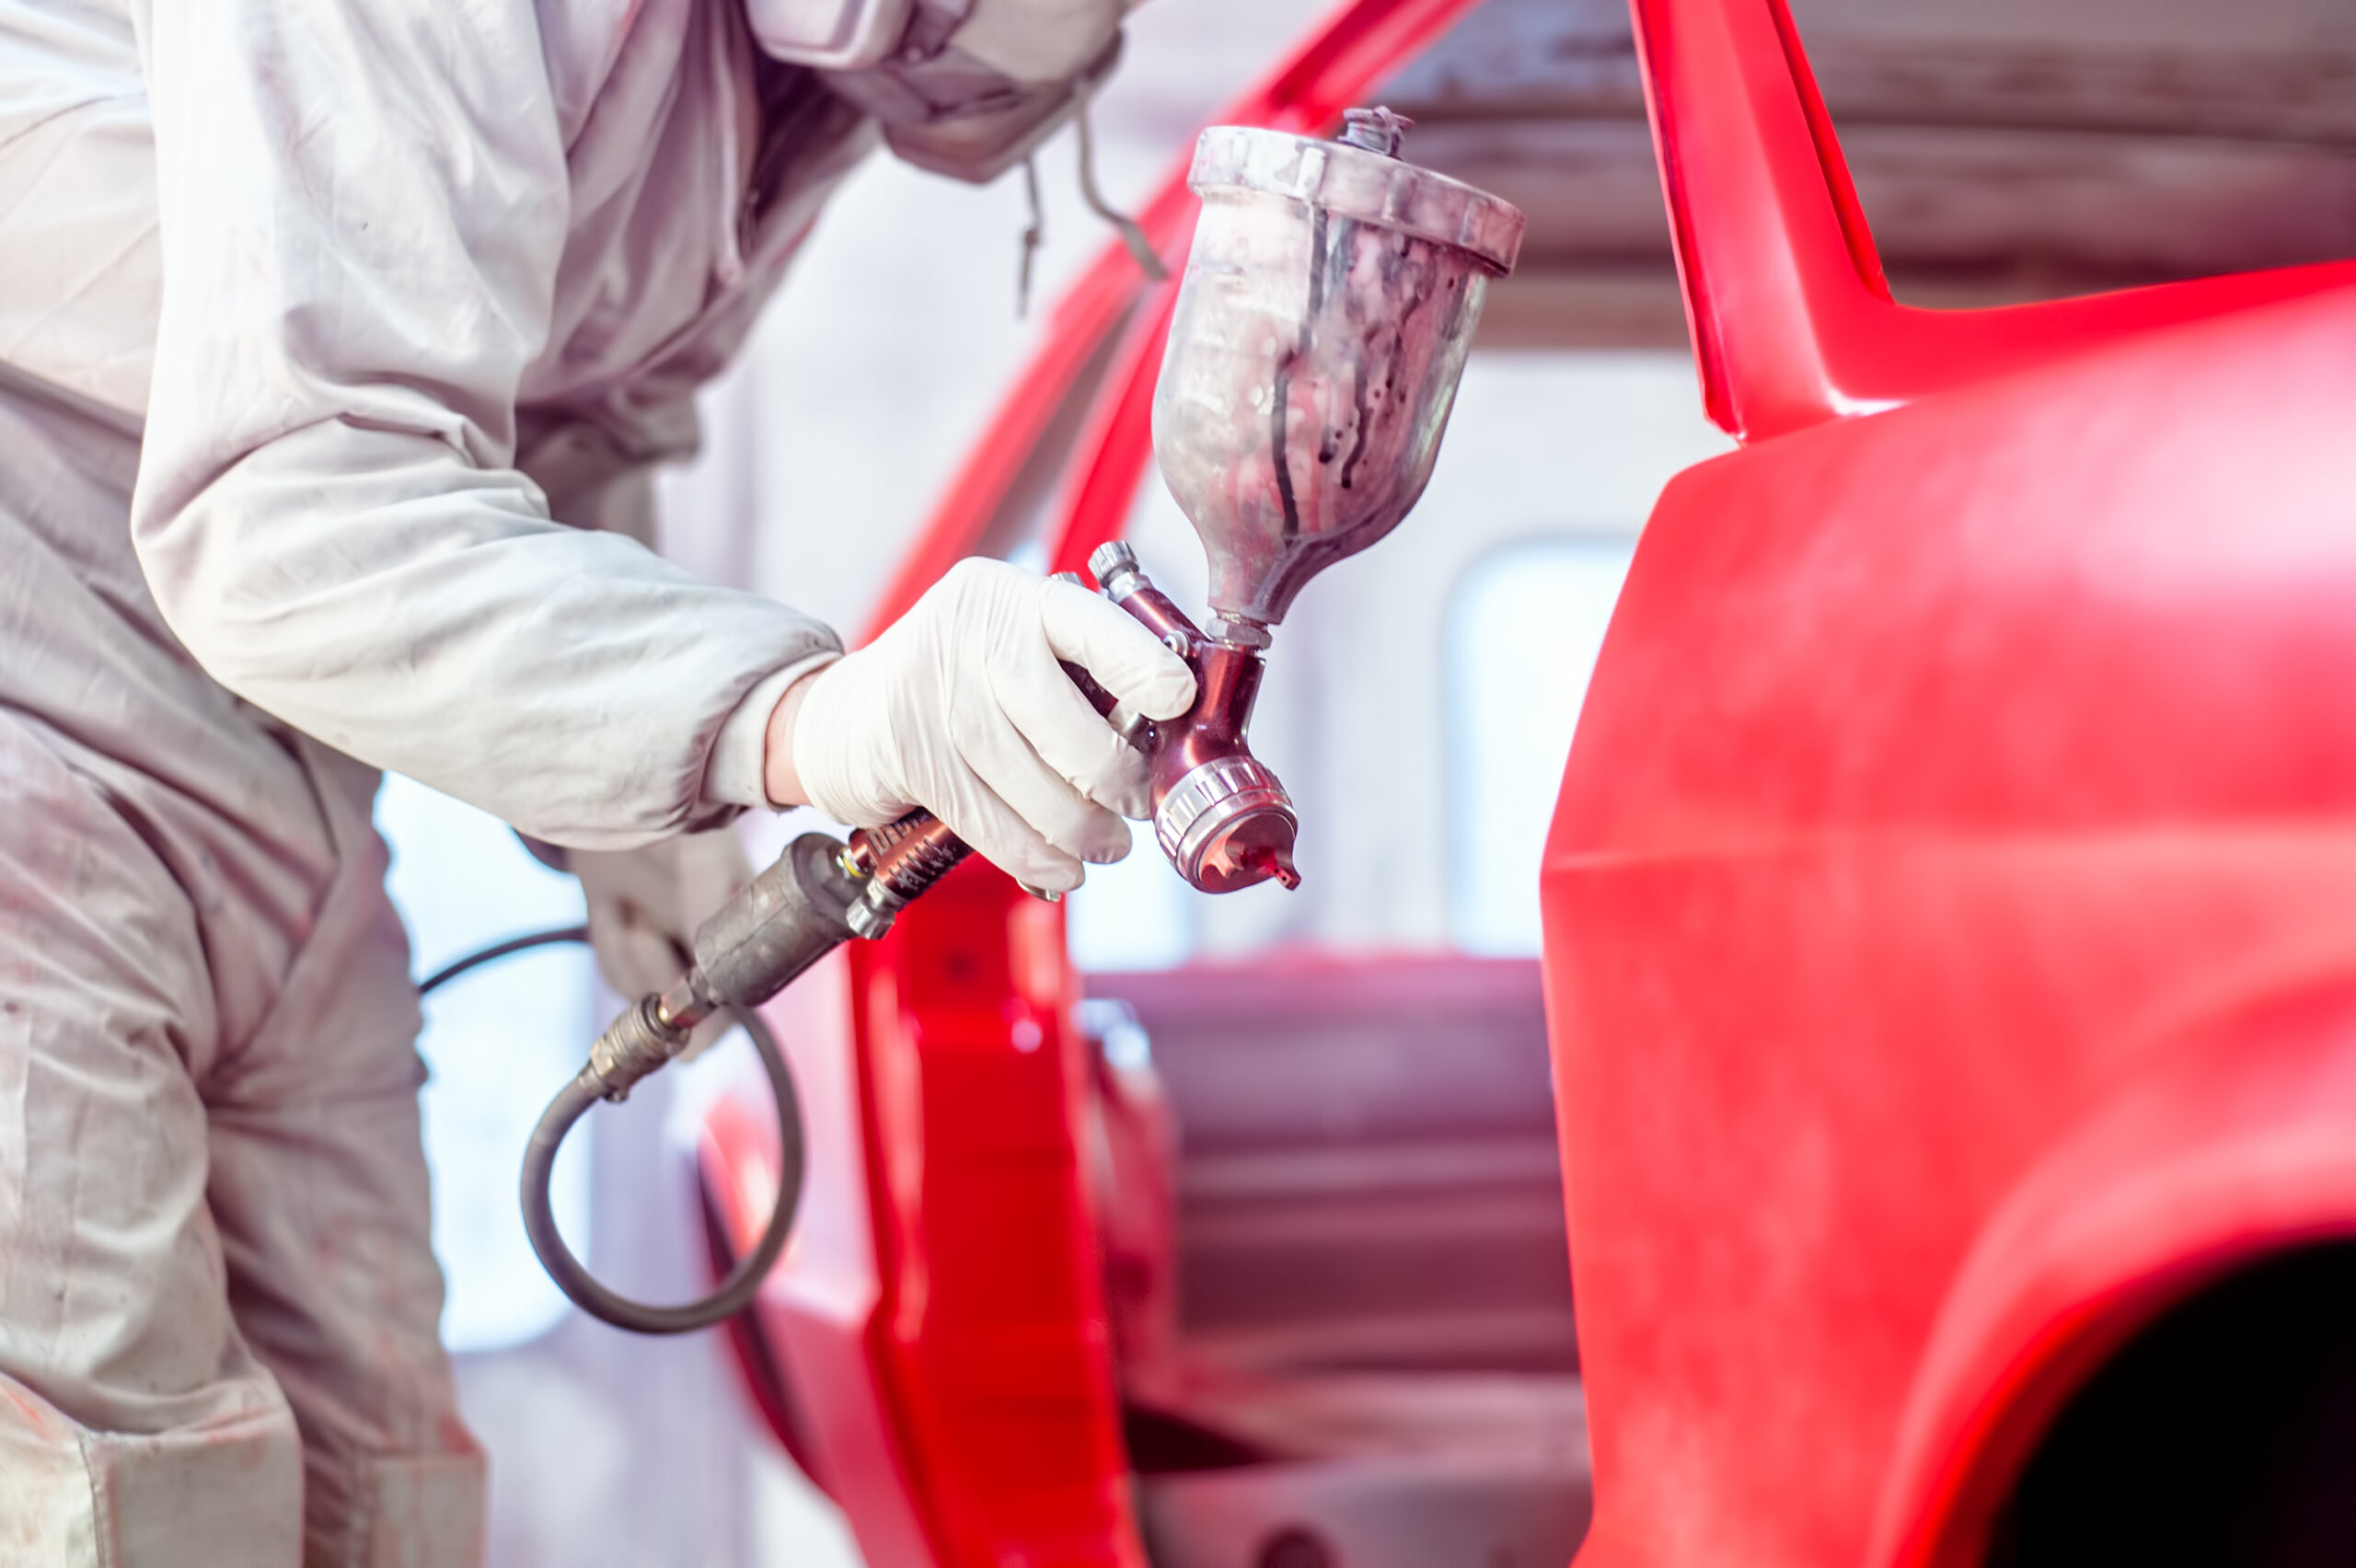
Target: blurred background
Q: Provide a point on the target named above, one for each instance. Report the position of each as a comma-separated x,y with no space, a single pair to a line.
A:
1422,698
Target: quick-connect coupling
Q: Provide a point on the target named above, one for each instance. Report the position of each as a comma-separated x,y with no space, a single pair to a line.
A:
635,1044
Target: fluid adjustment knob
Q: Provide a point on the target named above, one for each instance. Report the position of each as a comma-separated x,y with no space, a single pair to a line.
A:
1115,565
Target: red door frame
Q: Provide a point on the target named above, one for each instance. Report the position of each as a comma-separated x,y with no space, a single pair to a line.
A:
1792,320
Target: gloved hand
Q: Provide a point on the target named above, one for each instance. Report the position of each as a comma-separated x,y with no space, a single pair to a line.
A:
961,708
645,904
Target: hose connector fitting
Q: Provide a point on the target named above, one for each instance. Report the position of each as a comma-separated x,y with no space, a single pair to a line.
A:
635,1044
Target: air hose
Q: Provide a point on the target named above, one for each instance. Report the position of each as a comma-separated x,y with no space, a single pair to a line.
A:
448,972
819,894
736,1292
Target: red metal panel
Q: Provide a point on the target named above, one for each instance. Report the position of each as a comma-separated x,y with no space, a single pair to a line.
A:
990,1335
1938,770
1791,320
1964,803
2240,1136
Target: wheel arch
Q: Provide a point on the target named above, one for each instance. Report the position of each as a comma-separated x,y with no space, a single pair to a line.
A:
2235,1145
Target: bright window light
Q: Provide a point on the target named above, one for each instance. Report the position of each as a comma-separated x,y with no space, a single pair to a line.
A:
1134,914
499,1043
1524,628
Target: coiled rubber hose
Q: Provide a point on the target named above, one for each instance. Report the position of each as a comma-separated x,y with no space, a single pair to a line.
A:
744,1282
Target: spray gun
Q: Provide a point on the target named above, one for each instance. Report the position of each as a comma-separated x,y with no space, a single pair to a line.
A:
1328,304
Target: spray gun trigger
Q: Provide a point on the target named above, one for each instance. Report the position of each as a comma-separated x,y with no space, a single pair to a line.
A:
1131,725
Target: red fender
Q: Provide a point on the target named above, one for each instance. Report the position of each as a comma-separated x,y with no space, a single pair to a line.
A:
2234,1142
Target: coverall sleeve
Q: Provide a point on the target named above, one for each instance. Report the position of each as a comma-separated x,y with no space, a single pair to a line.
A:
363,207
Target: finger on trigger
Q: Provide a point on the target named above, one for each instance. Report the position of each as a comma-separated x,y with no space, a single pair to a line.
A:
1126,659
1057,727
1058,812
998,758
1127,786
995,831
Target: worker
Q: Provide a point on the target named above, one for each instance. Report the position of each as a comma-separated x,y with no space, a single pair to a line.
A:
336,344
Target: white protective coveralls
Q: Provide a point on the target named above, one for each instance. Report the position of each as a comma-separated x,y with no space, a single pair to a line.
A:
276,494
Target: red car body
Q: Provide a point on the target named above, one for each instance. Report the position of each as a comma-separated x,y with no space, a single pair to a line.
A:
1950,958
1948,940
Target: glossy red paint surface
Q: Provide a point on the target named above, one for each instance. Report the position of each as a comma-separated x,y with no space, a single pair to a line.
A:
1951,952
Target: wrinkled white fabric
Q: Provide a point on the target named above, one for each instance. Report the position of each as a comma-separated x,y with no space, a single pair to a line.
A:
1038,40
972,86
738,772
394,286
393,294
961,705
218,1302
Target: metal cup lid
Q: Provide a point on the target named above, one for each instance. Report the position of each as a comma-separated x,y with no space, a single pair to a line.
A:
1356,183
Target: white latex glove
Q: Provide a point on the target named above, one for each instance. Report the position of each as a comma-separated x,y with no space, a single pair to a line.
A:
961,708
645,904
